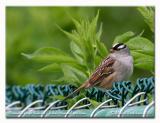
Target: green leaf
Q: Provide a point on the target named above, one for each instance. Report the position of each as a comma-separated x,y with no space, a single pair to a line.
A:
73,36
142,51
102,50
94,103
72,101
141,45
51,67
49,55
51,99
92,28
77,52
73,74
89,57
99,33
65,80
148,14
79,67
143,61
98,60
123,37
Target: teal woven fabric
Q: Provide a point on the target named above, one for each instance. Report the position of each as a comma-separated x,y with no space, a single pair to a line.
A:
120,94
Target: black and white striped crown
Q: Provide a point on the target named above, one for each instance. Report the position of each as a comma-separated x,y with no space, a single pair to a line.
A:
119,46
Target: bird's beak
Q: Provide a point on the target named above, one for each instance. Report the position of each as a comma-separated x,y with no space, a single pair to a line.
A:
111,50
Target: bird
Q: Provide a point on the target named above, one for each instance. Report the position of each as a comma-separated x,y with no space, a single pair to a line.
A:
116,67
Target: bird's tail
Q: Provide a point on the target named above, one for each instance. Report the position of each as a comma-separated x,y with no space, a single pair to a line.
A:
76,91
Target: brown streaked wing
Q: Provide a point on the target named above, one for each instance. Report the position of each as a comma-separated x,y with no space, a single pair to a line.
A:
103,70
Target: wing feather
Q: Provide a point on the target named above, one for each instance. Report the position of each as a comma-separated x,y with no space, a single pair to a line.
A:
102,71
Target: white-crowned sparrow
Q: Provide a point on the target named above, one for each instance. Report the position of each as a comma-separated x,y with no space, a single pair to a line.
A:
117,66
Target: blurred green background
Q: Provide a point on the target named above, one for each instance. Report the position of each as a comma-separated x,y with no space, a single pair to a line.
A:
31,28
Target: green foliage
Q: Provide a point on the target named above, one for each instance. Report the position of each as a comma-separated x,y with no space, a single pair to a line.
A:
86,47
49,55
123,37
148,14
94,103
70,101
31,28
141,49
88,51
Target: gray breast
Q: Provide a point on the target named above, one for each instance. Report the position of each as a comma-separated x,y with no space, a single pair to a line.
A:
124,68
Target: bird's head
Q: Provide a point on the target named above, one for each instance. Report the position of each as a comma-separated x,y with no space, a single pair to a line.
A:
120,48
